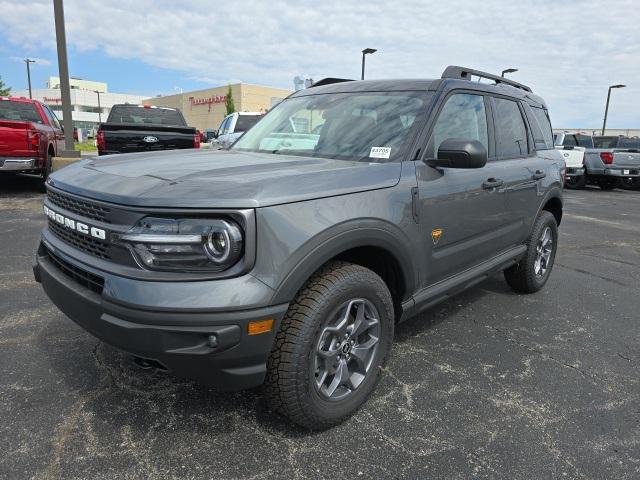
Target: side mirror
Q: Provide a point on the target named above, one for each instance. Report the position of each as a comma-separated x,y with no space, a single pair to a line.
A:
460,153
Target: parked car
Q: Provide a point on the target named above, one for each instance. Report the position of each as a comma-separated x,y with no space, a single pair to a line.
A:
144,128
30,136
573,147
233,126
612,161
290,267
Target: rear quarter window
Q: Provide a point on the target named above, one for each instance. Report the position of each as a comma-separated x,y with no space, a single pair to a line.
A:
540,128
19,111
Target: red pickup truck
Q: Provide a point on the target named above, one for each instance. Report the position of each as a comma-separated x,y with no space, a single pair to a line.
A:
30,136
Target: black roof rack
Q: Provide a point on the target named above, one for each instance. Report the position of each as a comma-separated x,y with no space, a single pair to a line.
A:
329,81
463,73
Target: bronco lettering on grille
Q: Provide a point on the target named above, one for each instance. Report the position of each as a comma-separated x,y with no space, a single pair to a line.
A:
75,225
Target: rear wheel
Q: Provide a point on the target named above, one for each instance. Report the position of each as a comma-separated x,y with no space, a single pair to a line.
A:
332,342
531,273
576,182
608,183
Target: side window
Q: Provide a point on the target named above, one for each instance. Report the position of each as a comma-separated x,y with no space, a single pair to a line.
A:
511,133
463,116
540,127
224,126
56,122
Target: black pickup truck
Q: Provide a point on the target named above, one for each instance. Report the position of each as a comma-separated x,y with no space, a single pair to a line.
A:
144,128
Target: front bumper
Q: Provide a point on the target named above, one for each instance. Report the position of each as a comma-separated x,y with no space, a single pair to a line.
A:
622,172
212,347
17,164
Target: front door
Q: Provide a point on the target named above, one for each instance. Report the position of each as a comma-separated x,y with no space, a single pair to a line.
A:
461,211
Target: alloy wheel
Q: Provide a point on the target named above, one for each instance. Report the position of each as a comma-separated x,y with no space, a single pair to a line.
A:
544,249
346,349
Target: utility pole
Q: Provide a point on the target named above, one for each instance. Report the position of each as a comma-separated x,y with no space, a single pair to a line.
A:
28,61
99,107
63,68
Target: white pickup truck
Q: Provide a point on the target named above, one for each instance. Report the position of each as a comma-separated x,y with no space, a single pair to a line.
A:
573,147
233,126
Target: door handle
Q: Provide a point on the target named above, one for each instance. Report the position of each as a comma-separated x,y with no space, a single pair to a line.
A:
492,183
538,175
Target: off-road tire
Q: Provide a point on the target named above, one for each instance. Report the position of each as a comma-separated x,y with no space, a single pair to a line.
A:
289,387
522,277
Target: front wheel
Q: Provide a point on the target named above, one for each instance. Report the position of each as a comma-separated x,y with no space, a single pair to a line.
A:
531,273
330,348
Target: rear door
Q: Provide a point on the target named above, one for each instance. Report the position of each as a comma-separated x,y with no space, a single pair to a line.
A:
461,211
524,168
58,134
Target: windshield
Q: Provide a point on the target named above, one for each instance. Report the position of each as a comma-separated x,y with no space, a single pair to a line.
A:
373,126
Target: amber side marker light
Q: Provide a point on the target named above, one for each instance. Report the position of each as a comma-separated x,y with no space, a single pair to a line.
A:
260,326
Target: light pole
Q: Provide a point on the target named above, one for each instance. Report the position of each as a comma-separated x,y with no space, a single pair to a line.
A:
508,70
28,61
63,68
606,110
366,51
99,107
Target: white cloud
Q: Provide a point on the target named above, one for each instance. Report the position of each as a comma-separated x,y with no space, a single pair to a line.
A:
569,52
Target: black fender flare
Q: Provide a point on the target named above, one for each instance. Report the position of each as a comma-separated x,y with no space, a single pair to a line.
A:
332,243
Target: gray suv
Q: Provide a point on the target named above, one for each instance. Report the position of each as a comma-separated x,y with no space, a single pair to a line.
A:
287,260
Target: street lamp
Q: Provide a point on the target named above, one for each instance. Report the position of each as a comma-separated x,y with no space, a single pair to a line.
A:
99,107
508,70
28,61
606,110
366,51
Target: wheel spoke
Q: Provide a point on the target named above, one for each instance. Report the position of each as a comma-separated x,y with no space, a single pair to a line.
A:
340,378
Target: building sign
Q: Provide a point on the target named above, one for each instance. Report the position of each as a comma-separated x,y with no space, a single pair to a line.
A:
52,100
215,99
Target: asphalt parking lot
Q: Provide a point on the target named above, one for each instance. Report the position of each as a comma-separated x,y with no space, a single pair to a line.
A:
488,385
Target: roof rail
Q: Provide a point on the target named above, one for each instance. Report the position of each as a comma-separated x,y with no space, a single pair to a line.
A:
329,81
463,73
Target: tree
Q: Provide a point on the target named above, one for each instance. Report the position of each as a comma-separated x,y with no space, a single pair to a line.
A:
229,102
5,91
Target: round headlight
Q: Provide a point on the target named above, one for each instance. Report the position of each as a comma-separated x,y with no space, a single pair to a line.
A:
222,242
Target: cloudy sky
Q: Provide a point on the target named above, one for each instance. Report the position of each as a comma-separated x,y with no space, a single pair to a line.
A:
568,51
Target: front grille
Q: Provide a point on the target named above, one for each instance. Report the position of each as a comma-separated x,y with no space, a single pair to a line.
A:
87,244
84,278
83,208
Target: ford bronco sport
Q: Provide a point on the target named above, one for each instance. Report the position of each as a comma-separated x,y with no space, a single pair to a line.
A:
288,259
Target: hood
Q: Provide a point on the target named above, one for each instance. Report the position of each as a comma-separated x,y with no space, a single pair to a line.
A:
219,179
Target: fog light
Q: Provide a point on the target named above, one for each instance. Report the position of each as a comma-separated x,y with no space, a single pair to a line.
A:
260,326
213,341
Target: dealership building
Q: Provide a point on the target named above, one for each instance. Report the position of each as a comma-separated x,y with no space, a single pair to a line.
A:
91,101
205,109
